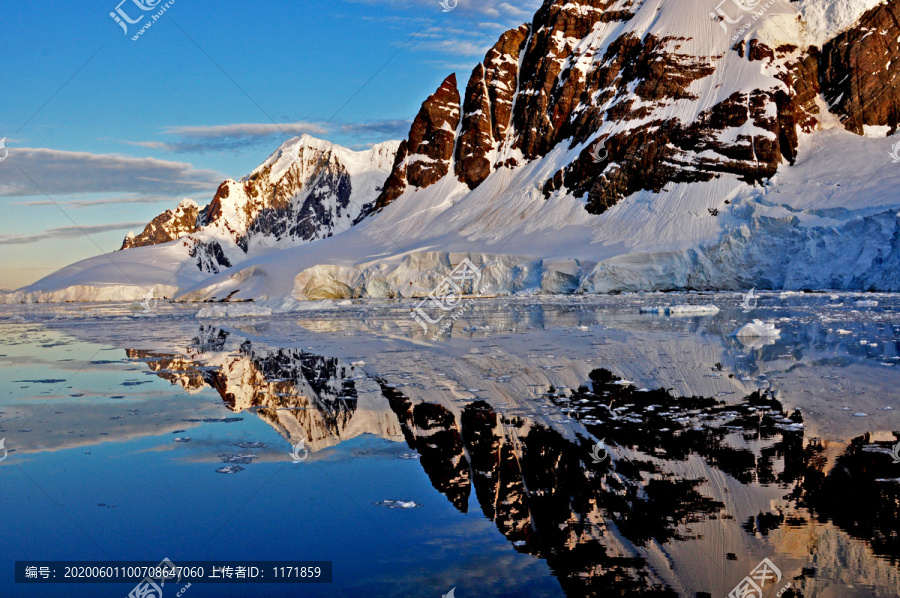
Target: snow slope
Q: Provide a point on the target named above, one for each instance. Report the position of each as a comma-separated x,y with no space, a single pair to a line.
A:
830,221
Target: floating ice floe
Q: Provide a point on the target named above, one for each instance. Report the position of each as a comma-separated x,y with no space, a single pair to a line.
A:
398,504
236,310
251,445
758,329
242,459
230,469
842,331
681,310
866,303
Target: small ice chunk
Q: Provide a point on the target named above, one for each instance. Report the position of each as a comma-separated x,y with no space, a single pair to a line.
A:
758,329
842,331
398,504
236,310
242,459
866,303
678,310
230,469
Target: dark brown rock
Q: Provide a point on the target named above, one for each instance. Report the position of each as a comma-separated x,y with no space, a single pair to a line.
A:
859,70
488,107
429,147
168,226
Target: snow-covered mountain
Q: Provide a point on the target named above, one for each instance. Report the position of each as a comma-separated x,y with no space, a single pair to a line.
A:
610,145
307,189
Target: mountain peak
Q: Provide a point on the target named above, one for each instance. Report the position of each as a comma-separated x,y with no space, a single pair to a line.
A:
308,188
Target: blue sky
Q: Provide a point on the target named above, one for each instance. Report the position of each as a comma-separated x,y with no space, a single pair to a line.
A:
104,132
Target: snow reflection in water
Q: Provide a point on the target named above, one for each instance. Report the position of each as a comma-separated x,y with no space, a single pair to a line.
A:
716,459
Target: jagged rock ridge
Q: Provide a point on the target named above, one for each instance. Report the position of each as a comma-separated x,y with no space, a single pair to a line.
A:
568,79
307,190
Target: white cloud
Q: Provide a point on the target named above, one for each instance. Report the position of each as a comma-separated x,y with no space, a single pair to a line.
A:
68,232
35,171
216,138
105,201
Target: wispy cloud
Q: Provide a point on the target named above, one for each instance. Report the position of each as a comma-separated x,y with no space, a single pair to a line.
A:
68,232
239,136
65,173
105,201
517,9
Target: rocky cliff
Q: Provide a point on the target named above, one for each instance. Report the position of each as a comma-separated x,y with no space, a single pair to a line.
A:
598,77
307,190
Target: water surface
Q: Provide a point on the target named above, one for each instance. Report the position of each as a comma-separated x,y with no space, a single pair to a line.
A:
473,461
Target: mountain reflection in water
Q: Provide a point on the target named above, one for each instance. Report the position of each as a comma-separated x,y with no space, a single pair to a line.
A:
689,484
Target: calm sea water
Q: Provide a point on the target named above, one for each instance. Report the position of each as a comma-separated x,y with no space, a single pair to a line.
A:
539,447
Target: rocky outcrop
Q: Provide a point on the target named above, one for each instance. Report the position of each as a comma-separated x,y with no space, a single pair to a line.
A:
558,82
424,158
308,189
859,70
168,226
488,107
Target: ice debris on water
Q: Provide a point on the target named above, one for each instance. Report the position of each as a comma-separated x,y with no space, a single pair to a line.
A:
251,445
230,469
681,310
234,458
180,439
238,310
398,504
758,329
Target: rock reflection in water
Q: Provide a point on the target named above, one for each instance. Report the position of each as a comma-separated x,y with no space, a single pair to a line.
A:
685,476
